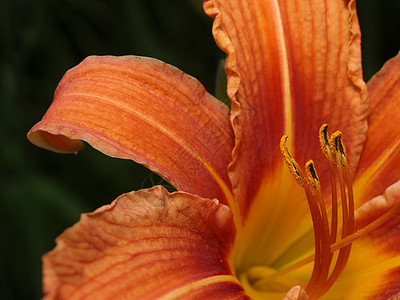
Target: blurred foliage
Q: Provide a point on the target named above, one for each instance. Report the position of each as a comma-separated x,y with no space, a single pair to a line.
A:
42,193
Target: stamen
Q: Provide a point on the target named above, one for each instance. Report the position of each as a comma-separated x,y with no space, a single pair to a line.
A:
312,175
326,149
347,206
323,236
328,238
324,141
312,188
293,166
332,147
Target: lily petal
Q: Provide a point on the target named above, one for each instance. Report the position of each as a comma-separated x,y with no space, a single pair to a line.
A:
373,269
289,71
381,153
145,110
381,248
146,245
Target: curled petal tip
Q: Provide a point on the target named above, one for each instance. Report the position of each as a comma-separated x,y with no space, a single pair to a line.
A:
296,293
54,142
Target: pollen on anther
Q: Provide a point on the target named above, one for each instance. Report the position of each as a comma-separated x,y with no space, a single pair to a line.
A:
337,145
312,174
289,160
324,140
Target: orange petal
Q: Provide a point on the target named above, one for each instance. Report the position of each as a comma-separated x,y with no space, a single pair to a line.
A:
373,269
146,245
380,160
291,66
145,110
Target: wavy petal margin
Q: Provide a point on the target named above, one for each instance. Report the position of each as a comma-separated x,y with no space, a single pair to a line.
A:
145,110
146,245
292,66
380,160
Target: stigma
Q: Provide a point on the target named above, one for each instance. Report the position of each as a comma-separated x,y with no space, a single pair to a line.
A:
331,226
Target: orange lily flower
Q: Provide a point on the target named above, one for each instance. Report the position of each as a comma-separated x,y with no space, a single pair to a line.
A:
240,225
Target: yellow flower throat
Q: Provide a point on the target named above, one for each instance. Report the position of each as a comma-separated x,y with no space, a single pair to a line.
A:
333,226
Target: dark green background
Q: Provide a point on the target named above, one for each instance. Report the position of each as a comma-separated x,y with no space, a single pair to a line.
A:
42,193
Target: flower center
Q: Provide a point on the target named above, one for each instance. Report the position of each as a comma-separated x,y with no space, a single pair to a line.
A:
333,226
331,253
